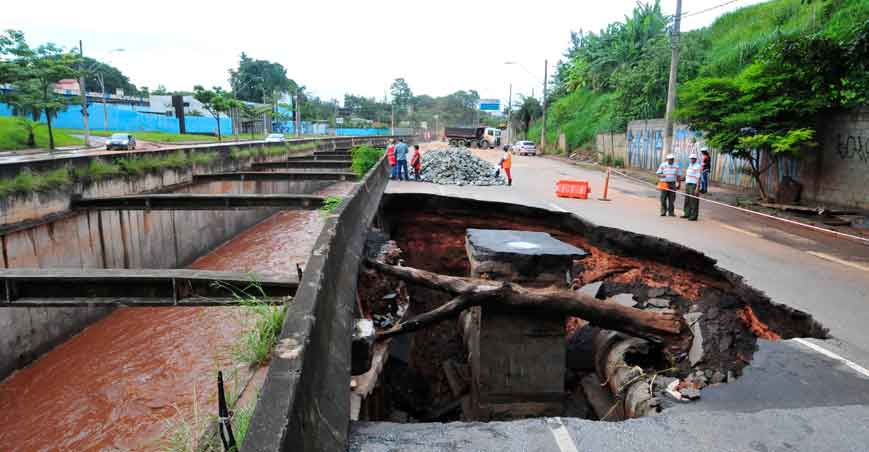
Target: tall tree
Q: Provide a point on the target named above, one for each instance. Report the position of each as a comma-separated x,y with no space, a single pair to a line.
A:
214,101
401,93
258,80
34,73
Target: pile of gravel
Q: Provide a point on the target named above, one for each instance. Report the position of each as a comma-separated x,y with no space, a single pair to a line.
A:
457,166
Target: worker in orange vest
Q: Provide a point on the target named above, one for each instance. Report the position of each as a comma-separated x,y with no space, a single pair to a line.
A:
390,157
506,163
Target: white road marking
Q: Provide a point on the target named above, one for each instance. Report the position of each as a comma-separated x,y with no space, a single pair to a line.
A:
562,436
856,367
743,231
839,261
556,207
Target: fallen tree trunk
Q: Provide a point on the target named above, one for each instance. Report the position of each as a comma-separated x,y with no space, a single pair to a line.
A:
653,326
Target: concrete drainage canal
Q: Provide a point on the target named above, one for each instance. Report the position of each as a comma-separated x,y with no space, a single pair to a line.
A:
163,290
478,311
414,308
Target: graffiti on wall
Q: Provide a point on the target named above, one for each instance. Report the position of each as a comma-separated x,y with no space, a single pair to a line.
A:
853,147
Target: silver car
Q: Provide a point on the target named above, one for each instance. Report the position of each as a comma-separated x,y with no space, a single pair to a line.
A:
121,141
275,138
525,148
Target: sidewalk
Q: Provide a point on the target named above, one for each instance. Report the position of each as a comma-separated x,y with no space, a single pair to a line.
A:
748,199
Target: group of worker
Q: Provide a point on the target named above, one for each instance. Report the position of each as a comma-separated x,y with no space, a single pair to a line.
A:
696,182
396,154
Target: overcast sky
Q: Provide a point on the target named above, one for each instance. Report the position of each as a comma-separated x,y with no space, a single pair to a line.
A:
333,47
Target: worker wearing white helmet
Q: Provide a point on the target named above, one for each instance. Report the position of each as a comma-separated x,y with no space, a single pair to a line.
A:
691,208
668,182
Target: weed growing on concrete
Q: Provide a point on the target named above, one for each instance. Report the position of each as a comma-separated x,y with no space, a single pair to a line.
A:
202,158
609,160
364,158
241,421
27,182
330,204
98,170
264,322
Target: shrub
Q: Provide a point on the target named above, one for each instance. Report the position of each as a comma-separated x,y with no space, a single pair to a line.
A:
330,204
364,158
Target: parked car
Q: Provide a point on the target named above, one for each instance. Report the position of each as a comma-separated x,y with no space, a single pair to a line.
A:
275,138
525,148
121,141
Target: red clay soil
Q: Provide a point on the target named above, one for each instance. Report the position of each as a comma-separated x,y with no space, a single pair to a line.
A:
757,327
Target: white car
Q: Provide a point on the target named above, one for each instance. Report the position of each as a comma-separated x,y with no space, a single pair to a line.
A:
525,148
275,138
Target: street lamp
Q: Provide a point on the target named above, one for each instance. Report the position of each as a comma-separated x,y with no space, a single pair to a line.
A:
545,76
102,82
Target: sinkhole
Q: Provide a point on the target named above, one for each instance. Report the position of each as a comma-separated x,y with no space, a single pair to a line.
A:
479,311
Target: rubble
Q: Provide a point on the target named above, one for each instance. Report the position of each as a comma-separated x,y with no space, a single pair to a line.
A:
455,166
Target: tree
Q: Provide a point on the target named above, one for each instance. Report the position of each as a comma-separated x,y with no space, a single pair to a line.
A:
773,107
401,93
33,74
214,101
528,111
112,78
160,90
257,80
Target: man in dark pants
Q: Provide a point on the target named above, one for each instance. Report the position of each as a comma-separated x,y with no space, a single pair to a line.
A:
706,165
401,160
692,179
669,173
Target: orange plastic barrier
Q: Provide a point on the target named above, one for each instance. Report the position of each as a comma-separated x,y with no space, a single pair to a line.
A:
572,189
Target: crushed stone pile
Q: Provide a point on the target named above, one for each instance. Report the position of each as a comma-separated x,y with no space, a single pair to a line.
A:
458,166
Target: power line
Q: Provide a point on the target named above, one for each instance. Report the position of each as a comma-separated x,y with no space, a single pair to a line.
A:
689,14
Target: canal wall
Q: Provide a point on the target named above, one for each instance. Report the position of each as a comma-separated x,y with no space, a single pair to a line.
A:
103,239
304,404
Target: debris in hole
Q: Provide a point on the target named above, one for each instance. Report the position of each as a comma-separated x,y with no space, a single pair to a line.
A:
457,166
436,242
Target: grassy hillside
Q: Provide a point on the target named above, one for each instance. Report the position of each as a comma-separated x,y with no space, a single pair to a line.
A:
579,115
14,137
736,37
724,48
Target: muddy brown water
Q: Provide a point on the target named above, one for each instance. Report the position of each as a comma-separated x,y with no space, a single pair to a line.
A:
124,381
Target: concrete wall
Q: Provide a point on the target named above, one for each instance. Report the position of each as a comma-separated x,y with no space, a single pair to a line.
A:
103,239
838,173
304,404
843,169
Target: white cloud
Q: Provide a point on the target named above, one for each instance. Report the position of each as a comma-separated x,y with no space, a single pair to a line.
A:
333,47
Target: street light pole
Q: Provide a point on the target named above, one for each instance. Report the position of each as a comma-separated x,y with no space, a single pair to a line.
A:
510,114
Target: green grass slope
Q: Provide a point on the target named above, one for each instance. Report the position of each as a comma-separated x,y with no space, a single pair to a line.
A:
13,136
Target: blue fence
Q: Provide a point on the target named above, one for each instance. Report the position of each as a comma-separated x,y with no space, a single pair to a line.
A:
124,117
360,132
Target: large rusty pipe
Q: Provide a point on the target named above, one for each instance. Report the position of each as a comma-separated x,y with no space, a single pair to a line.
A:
623,379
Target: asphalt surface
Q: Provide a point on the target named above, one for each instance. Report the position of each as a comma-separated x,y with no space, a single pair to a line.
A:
791,397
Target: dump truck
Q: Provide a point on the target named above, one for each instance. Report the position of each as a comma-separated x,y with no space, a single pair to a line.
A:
483,137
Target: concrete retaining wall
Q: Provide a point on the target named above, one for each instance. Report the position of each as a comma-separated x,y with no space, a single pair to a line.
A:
103,239
305,402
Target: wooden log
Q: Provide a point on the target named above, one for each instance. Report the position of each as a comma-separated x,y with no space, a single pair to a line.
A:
653,326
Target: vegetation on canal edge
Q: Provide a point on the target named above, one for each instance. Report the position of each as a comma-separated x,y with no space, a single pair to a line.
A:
270,151
364,158
154,137
28,182
263,323
330,204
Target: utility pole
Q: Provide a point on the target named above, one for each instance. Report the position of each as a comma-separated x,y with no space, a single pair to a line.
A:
84,98
543,126
671,86
392,118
